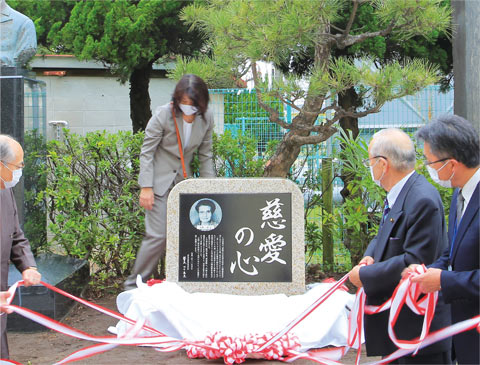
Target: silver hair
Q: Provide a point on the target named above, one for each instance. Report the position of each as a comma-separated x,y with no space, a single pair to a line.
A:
401,155
6,151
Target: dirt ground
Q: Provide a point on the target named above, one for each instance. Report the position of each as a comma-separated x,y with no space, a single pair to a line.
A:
49,347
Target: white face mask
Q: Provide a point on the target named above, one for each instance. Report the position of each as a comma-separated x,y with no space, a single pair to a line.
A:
434,175
188,109
16,175
373,177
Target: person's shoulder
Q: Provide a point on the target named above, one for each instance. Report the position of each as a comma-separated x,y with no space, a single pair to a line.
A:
17,16
421,183
163,113
422,191
6,197
163,110
209,115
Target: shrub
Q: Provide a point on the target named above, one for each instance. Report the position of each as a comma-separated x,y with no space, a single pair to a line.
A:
92,196
237,156
35,225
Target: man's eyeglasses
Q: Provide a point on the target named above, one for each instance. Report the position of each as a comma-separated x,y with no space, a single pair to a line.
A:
426,163
366,162
21,166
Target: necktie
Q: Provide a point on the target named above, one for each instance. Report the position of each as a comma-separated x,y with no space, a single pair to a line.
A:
386,210
460,202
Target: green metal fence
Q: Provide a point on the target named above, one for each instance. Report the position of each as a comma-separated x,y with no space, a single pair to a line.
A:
237,111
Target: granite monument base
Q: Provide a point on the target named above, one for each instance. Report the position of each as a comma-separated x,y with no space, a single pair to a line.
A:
66,273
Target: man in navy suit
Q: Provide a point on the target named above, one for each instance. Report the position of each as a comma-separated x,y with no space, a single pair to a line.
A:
412,231
452,153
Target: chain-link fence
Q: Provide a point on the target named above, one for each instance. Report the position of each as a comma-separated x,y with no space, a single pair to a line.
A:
238,111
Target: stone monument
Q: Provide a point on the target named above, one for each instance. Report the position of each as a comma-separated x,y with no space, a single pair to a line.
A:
236,236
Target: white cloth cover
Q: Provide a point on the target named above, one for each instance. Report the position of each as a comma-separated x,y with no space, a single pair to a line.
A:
193,316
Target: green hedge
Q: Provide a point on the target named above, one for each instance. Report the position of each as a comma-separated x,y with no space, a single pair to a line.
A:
92,198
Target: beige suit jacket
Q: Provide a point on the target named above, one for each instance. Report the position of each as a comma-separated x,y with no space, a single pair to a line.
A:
14,246
160,164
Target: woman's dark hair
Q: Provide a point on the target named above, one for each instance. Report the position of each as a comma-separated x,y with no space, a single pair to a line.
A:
205,202
451,136
196,89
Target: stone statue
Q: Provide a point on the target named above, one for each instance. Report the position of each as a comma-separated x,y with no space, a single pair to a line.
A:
18,39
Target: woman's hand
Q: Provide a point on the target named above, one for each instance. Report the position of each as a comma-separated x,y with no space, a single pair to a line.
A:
146,198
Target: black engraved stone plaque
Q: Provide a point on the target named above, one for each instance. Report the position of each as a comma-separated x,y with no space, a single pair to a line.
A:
235,237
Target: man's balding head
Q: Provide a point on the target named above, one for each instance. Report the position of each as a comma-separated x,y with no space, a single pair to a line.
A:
11,158
396,146
8,148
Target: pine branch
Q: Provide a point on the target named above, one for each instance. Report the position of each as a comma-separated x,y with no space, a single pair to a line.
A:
346,32
343,41
318,138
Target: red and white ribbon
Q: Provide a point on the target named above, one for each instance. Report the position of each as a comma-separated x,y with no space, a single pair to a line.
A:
306,312
408,293
281,346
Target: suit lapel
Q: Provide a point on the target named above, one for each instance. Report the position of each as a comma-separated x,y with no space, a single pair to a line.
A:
392,219
472,209
451,216
384,234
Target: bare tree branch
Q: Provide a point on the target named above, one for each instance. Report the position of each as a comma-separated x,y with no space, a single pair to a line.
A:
318,138
337,28
345,41
352,18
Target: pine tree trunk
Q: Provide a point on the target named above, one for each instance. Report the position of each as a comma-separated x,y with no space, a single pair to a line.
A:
349,100
327,197
140,111
284,157
288,150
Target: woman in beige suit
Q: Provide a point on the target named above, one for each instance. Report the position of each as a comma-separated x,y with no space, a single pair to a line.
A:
181,127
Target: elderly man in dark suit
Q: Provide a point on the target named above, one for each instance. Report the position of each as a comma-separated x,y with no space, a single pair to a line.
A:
452,154
14,246
412,231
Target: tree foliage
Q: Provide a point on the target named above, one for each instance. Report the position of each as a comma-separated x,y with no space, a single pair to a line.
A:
241,33
49,16
128,36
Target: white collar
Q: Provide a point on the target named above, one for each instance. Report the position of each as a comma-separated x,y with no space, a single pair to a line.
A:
6,11
469,188
397,188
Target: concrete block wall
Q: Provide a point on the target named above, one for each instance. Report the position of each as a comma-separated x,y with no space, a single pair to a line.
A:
90,103
89,98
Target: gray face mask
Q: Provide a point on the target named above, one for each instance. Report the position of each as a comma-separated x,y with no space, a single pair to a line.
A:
434,175
16,175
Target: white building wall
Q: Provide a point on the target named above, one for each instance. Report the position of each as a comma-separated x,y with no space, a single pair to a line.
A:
84,94
90,103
